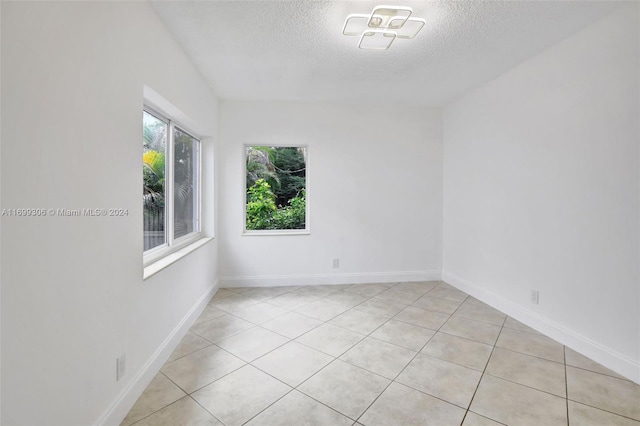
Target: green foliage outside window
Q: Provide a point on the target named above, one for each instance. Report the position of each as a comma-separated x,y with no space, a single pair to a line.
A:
276,195
153,178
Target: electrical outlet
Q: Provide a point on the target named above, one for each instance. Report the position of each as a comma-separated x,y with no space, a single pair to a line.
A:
336,263
121,366
535,296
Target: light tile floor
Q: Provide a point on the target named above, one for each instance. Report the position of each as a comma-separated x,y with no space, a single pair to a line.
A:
376,354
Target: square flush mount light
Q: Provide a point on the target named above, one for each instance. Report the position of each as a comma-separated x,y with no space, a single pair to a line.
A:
379,29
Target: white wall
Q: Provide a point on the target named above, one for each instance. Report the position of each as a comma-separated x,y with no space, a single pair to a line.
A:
541,191
73,298
375,189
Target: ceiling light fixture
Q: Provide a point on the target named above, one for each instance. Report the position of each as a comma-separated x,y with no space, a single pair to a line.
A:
379,29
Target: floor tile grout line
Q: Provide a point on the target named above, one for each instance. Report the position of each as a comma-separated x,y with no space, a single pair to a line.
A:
322,403
462,337
221,316
246,364
484,322
190,353
482,415
172,381
604,410
224,375
365,334
293,338
566,382
535,333
159,409
205,409
230,309
314,374
213,381
355,366
253,298
493,348
432,396
316,298
297,387
319,319
602,374
523,385
190,394
378,374
264,354
374,401
306,304
392,300
526,354
327,323
225,337
370,335
280,380
268,406
187,354
485,366
396,376
523,353
267,320
477,320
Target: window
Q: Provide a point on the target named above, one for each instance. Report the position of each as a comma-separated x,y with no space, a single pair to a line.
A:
171,184
276,189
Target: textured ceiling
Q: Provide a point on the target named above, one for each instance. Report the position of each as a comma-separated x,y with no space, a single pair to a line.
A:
294,50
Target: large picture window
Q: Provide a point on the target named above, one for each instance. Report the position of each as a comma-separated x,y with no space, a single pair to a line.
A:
276,189
171,183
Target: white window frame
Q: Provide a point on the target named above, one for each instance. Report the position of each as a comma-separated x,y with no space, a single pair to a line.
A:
263,232
172,244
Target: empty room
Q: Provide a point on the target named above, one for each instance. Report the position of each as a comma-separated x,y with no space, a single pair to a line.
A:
320,213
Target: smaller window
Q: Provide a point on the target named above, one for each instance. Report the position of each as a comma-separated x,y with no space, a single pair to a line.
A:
171,185
276,189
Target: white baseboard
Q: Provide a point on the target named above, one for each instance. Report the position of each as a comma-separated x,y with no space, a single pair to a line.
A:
609,358
130,394
319,279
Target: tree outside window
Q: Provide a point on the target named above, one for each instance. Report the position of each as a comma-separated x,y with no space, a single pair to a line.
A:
275,188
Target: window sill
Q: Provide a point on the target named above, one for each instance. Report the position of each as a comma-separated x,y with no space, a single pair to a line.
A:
276,232
162,263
